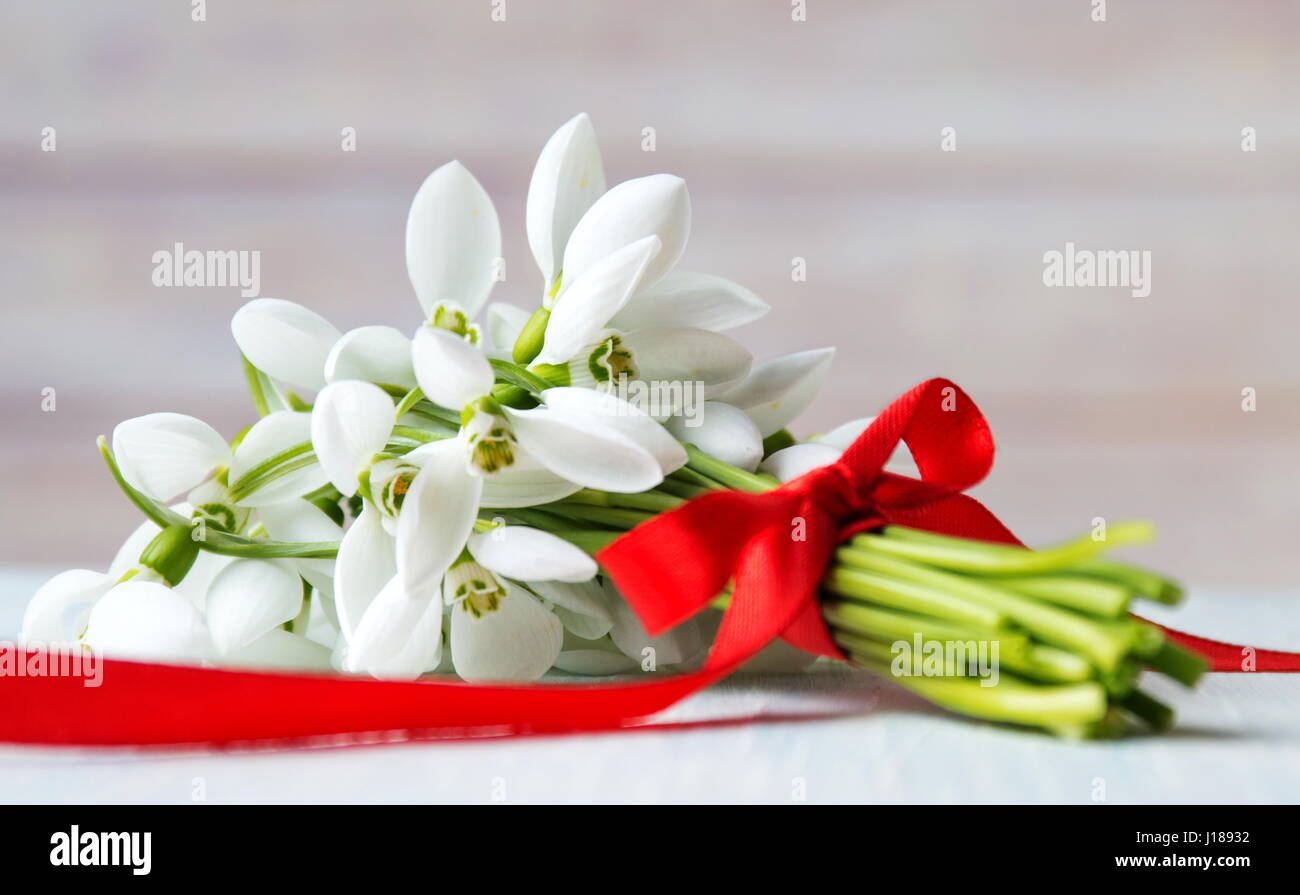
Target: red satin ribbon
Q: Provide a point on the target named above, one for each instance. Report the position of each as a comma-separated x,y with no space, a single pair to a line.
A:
774,547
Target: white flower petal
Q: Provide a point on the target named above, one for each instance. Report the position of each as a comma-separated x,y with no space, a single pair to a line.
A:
163,454
56,614
367,560
780,389
281,649
249,598
298,520
582,607
530,554
585,307
270,436
504,323
582,450
379,354
400,636
686,298
350,423
721,431
568,178
844,434
669,648
657,205
147,621
451,371
285,340
597,662
792,462
524,483
437,517
453,240
622,416
687,355
516,642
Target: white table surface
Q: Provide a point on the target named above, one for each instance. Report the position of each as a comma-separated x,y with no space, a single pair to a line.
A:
1238,740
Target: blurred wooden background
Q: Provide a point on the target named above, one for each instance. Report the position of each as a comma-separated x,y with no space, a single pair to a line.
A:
817,139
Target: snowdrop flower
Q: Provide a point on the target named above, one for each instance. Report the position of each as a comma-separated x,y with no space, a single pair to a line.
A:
164,454
580,349
778,390
573,223
822,450
453,259
591,439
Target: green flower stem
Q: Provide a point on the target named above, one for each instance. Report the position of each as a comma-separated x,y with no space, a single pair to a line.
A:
1060,627
689,476
614,517
257,385
1144,583
588,540
646,500
407,401
423,436
1182,665
291,458
1088,595
962,555
1155,713
685,491
155,512
909,597
514,374
890,626
726,474
1034,705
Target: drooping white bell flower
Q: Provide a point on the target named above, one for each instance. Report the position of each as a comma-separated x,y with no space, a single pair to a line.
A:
573,224
147,621
453,241
285,340
721,431
580,349
163,454
566,181
578,435
502,631
778,390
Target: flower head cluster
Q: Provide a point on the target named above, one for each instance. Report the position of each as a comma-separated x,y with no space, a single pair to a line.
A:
434,505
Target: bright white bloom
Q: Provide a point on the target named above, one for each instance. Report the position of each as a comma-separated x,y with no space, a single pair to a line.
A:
780,389
164,454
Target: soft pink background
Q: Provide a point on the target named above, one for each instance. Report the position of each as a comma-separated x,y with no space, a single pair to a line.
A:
818,139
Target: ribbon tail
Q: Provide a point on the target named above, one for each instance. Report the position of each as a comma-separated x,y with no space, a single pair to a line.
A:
1234,657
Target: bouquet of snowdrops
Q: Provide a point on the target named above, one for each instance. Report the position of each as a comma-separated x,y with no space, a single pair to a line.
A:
435,506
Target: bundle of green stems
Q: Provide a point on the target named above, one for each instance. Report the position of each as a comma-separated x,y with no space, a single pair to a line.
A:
1039,638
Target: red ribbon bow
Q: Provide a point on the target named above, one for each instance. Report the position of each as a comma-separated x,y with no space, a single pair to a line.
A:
774,547
777,545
